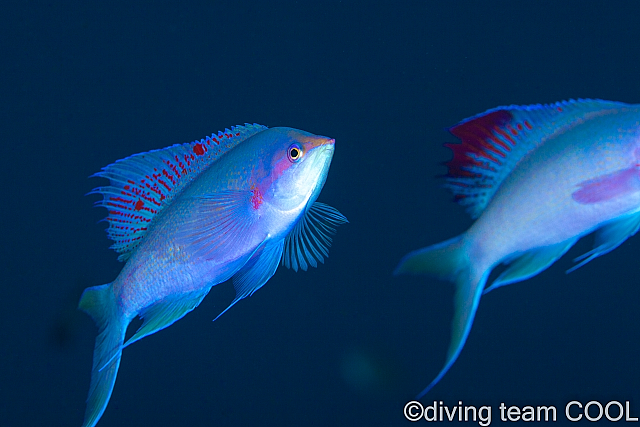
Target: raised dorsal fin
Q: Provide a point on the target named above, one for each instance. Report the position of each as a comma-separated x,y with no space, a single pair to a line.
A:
143,184
492,143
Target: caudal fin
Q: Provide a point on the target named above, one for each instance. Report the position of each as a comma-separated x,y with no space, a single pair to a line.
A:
449,261
99,303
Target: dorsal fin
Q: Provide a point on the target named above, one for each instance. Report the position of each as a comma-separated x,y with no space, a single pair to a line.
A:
492,143
143,184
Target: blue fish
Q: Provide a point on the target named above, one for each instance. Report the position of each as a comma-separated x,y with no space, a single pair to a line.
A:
536,179
190,216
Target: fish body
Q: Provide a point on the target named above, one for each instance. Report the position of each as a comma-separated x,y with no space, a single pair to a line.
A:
537,178
190,216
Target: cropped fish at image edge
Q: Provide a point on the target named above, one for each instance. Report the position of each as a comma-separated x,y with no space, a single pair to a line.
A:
185,218
536,178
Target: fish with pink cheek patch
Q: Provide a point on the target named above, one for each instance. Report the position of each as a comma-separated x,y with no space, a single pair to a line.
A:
536,179
190,216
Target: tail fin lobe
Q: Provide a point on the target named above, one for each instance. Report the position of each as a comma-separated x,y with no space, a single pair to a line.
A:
449,261
99,303
467,297
443,260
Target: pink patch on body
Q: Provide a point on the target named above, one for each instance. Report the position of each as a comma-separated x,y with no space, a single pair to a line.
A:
608,187
256,197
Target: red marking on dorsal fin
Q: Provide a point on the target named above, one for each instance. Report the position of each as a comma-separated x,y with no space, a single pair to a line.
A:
478,138
143,184
492,143
198,149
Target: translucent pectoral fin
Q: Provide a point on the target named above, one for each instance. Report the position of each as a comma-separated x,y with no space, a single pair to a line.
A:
309,241
217,223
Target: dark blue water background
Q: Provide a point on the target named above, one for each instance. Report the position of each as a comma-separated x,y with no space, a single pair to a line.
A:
83,85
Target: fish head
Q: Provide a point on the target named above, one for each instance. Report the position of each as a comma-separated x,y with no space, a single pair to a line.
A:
299,167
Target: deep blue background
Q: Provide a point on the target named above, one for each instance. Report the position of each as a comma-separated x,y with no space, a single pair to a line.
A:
345,344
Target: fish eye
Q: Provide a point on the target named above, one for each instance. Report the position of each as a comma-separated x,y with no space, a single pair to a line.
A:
294,152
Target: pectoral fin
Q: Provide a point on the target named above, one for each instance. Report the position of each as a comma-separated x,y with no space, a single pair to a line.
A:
310,239
217,223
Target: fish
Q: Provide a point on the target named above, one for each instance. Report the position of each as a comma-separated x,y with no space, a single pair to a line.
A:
185,218
535,179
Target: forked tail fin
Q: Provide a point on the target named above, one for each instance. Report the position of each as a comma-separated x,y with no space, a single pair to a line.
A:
449,261
99,303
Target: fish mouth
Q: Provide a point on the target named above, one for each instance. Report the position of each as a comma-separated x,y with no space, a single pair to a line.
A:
330,145
315,141
326,147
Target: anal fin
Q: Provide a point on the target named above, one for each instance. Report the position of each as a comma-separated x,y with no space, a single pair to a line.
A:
531,263
166,312
609,237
